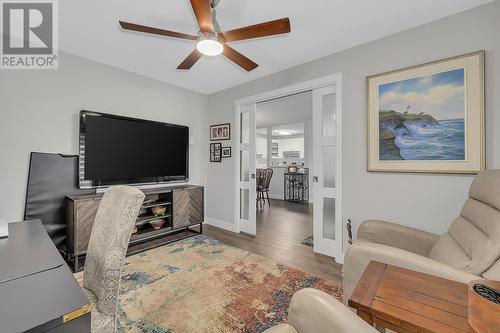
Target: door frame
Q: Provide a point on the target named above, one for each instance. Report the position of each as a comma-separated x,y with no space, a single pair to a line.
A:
334,79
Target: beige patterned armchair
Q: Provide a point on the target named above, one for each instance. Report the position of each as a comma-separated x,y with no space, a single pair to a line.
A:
106,252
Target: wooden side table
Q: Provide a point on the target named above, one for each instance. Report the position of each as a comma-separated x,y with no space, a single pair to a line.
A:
407,301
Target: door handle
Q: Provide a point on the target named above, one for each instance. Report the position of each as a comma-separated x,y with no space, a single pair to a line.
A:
252,176
315,179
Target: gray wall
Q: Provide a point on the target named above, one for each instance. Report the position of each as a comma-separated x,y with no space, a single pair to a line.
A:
39,112
425,201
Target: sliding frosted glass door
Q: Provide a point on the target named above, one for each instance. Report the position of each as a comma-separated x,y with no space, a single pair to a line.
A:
327,167
246,169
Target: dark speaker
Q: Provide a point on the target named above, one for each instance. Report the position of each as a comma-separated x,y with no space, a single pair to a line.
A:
51,178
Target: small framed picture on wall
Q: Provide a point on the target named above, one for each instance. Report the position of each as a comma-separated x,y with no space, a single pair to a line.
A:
215,152
220,132
226,152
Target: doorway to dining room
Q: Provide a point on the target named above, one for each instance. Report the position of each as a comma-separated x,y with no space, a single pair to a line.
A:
298,156
283,150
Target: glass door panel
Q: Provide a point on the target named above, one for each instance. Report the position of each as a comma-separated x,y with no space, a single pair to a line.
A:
329,218
329,169
245,127
244,204
244,165
329,115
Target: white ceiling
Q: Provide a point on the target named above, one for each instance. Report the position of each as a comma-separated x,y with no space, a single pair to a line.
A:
319,27
284,111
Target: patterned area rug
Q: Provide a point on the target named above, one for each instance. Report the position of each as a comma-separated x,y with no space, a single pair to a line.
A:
202,285
309,241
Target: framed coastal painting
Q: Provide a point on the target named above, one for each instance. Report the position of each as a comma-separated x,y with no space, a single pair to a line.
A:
428,118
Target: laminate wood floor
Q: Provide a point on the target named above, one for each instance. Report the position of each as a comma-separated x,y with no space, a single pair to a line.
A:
281,228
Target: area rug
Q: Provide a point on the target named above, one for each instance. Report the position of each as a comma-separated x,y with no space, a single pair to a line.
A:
202,285
309,241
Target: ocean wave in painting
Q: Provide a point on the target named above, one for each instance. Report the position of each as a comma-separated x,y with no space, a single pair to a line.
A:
443,141
420,137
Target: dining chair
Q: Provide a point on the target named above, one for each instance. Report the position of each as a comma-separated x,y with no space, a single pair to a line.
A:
266,183
109,239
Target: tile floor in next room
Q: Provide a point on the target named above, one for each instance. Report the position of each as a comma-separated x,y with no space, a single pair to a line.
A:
281,228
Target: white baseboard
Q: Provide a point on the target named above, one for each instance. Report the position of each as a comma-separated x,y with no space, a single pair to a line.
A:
221,224
340,258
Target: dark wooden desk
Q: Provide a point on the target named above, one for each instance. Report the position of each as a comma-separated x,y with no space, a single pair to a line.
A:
407,301
38,292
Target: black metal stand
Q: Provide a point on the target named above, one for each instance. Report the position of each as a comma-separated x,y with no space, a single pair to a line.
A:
296,187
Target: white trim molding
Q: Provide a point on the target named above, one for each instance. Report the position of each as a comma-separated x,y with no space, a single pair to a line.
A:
291,90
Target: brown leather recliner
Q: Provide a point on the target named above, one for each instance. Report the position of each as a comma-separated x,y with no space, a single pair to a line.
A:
470,249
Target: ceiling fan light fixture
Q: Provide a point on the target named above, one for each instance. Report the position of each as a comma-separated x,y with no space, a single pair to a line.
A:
211,40
285,132
209,45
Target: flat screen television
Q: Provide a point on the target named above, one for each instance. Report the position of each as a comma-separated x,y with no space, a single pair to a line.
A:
122,150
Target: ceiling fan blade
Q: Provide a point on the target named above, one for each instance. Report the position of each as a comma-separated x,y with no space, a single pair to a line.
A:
203,13
239,59
191,59
155,31
276,27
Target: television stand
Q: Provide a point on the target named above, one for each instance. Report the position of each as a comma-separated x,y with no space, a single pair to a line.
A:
168,214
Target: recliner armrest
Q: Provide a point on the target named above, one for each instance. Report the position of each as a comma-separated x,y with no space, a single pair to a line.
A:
360,254
396,235
313,311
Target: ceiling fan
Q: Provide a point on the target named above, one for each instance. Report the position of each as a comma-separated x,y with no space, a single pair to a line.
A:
211,41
